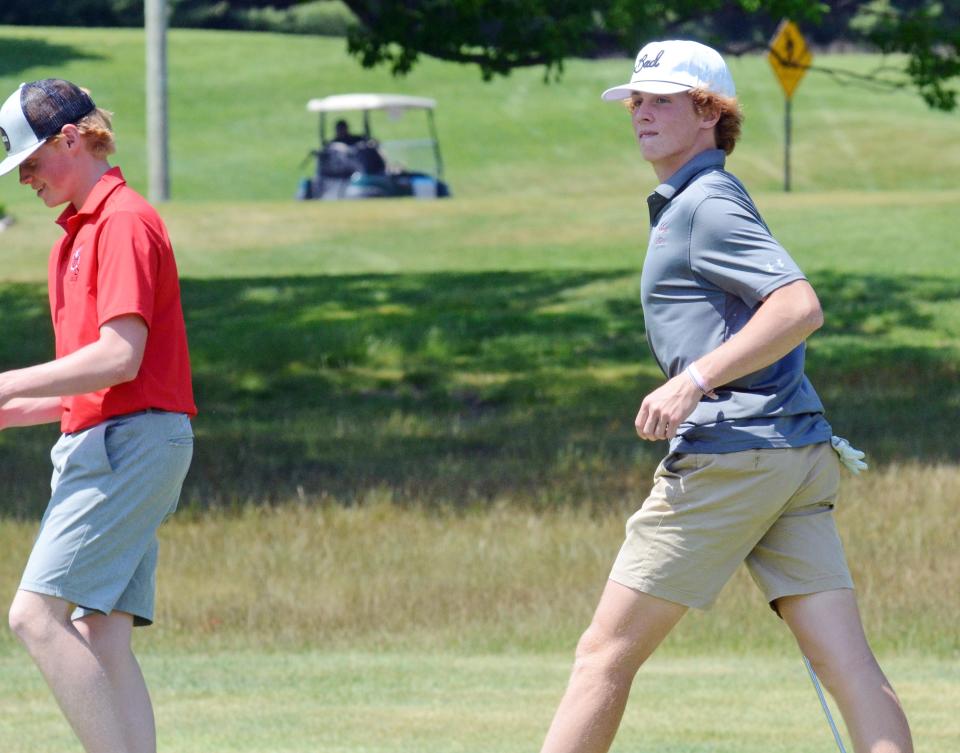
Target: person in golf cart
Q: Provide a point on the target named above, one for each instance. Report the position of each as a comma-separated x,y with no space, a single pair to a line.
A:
339,159
350,166
342,134
752,473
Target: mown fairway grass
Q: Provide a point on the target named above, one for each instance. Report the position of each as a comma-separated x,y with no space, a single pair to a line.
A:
356,702
416,418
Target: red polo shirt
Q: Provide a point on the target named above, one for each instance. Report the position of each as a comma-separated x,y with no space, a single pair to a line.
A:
116,259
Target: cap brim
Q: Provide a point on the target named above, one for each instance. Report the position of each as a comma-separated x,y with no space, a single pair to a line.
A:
647,87
14,160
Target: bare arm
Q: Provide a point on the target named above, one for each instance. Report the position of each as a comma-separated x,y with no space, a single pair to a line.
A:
30,411
113,359
785,319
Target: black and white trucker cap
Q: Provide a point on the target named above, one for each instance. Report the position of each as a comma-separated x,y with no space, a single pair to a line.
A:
37,111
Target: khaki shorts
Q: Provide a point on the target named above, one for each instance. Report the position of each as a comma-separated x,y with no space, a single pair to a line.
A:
772,508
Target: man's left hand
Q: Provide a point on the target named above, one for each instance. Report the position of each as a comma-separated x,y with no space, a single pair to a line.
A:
664,409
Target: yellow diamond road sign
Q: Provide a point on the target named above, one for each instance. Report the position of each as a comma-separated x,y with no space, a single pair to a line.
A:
789,56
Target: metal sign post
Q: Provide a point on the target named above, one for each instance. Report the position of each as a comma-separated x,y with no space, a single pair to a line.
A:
789,57
787,121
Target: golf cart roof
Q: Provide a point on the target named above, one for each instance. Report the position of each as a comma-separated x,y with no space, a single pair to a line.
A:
345,102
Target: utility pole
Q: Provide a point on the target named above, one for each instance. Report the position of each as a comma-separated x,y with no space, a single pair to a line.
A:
155,30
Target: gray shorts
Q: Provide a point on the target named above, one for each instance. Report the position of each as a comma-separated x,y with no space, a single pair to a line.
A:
113,485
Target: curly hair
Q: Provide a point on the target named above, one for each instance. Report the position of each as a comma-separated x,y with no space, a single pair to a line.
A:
727,129
97,132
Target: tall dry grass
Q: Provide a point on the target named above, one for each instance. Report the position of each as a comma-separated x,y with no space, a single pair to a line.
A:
511,576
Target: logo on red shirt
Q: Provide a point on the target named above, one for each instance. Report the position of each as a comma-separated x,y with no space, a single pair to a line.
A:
75,263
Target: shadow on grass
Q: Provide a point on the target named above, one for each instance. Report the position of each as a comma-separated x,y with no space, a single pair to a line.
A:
18,55
461,388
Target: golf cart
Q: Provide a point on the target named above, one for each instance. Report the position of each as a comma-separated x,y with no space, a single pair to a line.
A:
359,166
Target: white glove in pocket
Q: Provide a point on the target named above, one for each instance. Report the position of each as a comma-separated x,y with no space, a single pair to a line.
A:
850,456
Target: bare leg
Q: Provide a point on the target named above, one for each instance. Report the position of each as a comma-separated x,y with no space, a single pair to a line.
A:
109,638
626,628
76,676
828,629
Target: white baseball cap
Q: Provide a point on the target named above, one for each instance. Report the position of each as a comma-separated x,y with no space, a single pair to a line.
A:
676,66
35,112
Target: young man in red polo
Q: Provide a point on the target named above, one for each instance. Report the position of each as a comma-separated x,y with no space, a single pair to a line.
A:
120,387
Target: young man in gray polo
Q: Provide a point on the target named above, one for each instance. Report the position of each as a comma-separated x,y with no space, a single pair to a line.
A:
750,475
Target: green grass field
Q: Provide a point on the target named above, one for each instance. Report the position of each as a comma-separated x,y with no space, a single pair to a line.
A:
415,451
239,125
354,702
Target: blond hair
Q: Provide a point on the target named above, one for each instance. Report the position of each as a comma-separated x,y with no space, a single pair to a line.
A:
96,129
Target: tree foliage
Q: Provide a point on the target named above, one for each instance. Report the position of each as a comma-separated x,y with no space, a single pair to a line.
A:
500,35
129,12
928,32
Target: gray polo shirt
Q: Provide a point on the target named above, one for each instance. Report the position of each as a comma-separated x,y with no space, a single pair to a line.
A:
710,263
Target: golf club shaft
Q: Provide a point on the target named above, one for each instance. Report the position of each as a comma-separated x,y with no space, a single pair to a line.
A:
823,703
